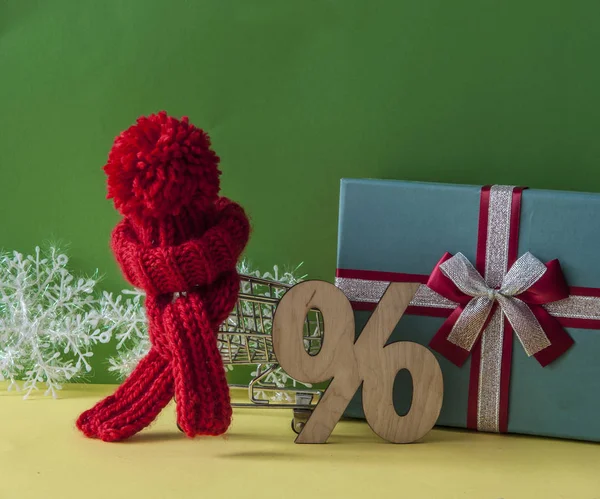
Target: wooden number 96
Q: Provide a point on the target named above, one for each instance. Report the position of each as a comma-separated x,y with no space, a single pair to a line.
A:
348,363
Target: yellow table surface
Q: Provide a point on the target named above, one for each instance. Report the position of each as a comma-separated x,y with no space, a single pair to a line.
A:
42,455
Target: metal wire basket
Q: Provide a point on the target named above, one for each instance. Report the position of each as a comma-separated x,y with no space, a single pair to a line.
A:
245,338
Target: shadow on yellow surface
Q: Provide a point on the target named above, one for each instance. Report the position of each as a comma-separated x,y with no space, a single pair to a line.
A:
43,455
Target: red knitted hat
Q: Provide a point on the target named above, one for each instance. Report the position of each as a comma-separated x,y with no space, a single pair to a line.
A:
159,166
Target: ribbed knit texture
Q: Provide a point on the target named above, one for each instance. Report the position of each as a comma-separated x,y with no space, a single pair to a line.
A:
183,255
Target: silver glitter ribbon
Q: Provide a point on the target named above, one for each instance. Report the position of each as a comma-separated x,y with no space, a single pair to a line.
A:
526,271
367,291
496,264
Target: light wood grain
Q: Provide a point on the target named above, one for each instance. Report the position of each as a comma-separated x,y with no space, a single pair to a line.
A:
350,363
335,360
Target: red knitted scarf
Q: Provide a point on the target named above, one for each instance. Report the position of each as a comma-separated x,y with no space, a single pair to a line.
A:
179,242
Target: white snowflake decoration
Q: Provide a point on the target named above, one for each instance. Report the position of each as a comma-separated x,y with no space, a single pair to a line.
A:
125,319
49,321
278,378
288,276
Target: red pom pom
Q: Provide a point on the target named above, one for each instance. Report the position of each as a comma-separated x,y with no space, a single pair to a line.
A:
159,166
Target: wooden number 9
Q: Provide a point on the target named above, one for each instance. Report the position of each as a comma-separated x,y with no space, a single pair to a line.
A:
351,363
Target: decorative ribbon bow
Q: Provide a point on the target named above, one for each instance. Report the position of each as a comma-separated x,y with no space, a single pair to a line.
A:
527,286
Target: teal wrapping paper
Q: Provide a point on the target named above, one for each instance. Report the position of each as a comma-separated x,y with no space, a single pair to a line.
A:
406,227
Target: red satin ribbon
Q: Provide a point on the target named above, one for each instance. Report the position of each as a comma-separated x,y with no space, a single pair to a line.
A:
549,288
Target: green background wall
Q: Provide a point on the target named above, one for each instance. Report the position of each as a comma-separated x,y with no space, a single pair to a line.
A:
295,94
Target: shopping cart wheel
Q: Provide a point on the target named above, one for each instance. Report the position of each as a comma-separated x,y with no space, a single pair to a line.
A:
300,418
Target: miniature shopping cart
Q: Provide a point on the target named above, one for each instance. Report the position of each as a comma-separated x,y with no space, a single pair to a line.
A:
245,338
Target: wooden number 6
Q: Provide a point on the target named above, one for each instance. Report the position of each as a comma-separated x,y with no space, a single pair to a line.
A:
351,363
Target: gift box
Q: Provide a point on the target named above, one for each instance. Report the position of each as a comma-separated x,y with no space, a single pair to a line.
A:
509,298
